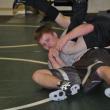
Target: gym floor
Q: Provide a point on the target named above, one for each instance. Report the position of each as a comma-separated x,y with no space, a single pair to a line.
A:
20,56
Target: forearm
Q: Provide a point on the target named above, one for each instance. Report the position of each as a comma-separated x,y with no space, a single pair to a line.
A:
80,30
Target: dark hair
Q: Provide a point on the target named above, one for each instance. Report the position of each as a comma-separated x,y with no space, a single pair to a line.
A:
45,28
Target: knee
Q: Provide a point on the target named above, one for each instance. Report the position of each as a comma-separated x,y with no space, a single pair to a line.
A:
104,73
40,75
36,76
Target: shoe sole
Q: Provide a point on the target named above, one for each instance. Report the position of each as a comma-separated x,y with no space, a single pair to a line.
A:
59,95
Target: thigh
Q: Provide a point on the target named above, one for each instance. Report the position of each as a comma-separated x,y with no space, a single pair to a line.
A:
67,72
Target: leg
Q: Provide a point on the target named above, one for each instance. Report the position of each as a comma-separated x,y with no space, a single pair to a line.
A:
91,80
104,73
44,77
94,62
69,85
79,13
66,80
50,11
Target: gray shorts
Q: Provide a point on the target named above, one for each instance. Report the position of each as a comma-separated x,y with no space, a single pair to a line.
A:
71,73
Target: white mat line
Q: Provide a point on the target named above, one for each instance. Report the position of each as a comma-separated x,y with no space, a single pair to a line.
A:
27,26
30,105
24,60
16,46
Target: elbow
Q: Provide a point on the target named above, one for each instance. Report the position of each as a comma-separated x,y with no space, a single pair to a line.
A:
90,28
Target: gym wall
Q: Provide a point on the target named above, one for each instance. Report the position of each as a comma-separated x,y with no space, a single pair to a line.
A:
98,5
6,7
94,6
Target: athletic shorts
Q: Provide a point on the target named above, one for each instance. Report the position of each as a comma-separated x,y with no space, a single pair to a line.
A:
71,73
98,54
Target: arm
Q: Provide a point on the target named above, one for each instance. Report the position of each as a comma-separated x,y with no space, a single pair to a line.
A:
80,30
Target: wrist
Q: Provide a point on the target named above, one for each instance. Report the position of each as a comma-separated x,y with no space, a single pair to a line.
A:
68,37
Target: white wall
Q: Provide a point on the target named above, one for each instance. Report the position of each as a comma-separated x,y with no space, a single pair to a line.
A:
6,7
94,5
6,3
98,5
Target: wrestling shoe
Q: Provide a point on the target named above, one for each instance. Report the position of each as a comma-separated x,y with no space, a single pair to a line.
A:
65,90
18,7
91,79
17,2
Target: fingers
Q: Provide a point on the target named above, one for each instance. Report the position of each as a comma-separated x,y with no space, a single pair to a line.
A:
53,53
61,43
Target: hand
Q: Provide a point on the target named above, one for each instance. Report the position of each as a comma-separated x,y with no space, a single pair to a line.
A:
61,43
53,53
54,58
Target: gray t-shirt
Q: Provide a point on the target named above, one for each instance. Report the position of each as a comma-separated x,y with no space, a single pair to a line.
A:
72,51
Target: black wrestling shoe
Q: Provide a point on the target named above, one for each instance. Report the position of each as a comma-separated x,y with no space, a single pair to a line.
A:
65,90
91,79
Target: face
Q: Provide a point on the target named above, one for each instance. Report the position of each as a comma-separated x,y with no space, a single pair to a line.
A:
48,40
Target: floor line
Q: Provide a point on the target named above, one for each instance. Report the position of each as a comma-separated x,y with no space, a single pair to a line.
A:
30,105
16,46
27,26
24,60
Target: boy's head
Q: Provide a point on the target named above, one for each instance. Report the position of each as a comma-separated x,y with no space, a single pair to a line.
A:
45,36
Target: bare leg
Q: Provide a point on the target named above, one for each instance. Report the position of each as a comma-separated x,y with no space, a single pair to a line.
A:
104,73
65,88
62,20
50,11
46,79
